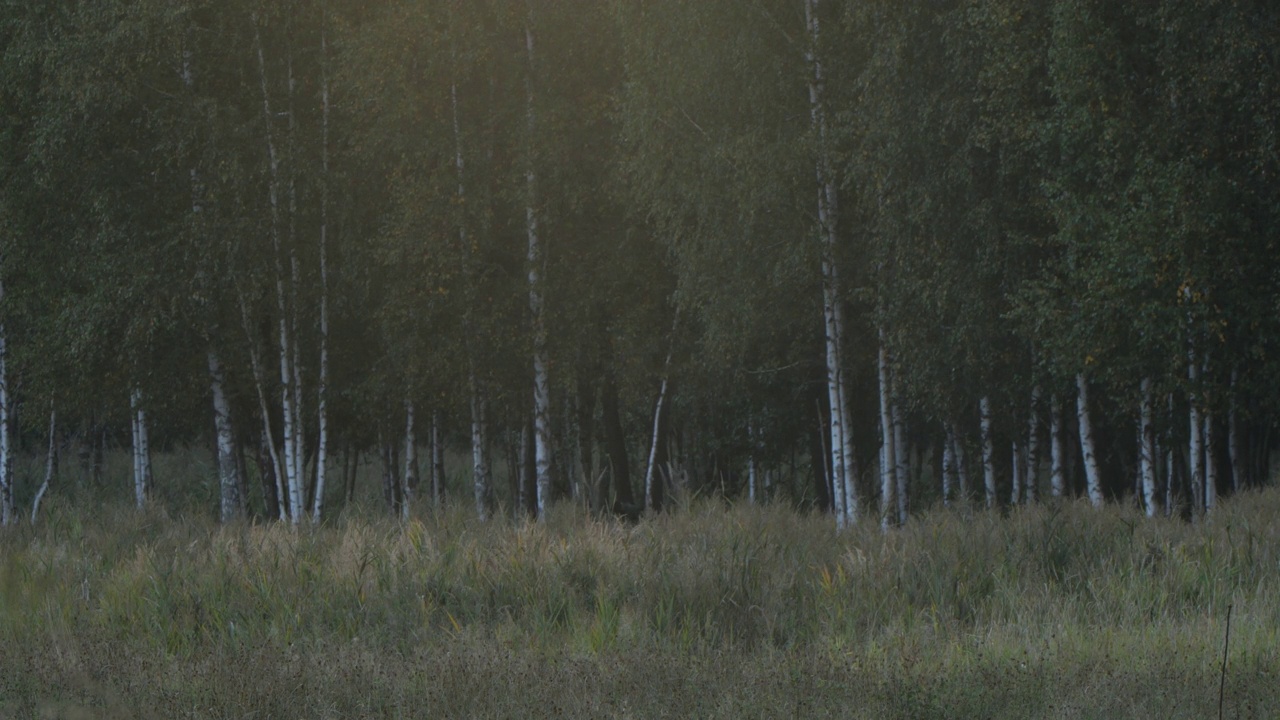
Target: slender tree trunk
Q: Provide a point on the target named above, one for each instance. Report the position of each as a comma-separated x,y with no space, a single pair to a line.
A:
409,480
901,459
141,450
1196,449
259,384
1017,467
541,383
948,464
437,462
8,508
1147,449
228,482
481,485
888,455
291,459
1235,451
50,464
988,452
1092,476
652,493
1170,482
1057,451
843,471
269,472
322,382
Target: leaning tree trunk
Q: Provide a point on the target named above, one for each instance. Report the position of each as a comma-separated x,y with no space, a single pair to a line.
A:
653,494
50,464
988,452
228,480
1087,449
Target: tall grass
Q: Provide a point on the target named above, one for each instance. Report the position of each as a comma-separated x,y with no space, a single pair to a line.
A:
1056,610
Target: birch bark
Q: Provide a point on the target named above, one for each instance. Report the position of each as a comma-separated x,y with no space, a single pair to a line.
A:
888,456
1147,450
409,480
843,471
50,464
322,382
1093,478
1235,451
291,459
228,482
537,321
988,451
901,459
1195,463
8,510
1057,473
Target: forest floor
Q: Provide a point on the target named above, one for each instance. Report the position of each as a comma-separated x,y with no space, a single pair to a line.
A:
714,610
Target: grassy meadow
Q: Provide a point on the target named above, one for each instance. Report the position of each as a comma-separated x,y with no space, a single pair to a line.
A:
711,610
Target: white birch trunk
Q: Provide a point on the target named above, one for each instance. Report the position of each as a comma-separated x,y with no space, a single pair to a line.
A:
1235,452
888,455
409,479
1147,449
1057,450
479,450
843,470
291,459
541,384
1196,450
1092,476
1210,465
228,482
651,468
988,452
1017,467
1171,474
50,465
259,384
8,509
141,450
948,464
901,459
1030,475
437,461
322,383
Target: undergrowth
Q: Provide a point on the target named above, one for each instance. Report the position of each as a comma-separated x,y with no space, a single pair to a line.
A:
1056,610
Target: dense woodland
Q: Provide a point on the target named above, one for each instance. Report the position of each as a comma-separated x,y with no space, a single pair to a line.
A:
861,256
